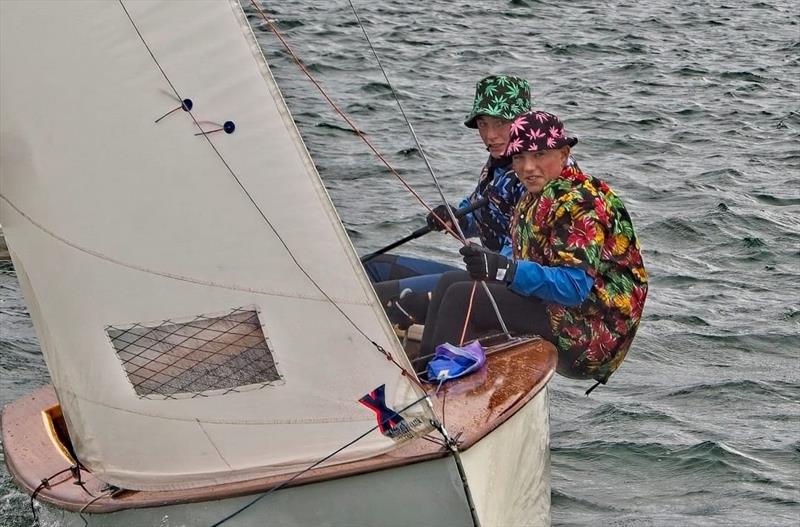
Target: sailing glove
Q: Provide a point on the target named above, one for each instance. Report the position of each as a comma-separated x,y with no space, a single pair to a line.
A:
441,211
483,264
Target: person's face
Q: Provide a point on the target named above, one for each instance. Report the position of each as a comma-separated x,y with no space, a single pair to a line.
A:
536,169
494,133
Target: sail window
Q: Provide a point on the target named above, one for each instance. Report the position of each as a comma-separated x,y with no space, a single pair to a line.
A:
204,356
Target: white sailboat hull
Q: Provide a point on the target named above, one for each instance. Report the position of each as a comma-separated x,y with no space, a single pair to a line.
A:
509,469
508,472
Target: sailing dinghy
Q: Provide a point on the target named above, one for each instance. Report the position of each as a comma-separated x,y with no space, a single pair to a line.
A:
216,351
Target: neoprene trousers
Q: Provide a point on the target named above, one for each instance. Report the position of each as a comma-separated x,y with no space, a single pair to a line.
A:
391,274
450,302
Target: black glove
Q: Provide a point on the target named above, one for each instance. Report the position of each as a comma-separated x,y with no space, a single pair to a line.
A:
483,264
441,211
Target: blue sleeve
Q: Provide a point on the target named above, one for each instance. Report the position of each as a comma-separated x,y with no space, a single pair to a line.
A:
508,249
472,225
568,286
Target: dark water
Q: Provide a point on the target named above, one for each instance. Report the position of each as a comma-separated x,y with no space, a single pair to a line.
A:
691,111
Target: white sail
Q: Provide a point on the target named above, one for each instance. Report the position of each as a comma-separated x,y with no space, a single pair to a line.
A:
201,310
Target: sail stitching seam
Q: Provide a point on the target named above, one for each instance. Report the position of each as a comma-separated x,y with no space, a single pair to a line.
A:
165,274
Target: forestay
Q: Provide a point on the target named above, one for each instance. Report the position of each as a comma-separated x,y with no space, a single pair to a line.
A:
186,318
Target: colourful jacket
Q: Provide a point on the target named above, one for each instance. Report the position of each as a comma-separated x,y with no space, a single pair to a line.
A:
578,221
491,223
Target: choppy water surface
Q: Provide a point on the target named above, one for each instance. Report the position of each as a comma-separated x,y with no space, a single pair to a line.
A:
691,111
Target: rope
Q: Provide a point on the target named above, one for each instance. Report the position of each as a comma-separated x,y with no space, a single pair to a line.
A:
449,210
421,150
90,502
350,122
388,355
469,314
458,233
45,484
317,463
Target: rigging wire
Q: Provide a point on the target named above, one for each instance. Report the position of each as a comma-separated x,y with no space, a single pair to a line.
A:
380,348
458,233
451,443
421,150
449,210
349,121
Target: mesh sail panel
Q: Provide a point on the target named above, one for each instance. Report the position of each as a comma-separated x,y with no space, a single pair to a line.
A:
208,355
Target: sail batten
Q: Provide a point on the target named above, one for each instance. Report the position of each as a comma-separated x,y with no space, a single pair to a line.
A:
116,221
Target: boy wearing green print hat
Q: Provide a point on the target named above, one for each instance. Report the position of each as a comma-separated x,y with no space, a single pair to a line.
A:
403,284
498,101
500,96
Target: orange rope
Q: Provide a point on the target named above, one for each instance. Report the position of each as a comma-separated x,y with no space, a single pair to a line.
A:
352,125
359,133
469,313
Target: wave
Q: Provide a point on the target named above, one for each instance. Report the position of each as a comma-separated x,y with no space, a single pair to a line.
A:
680,318
376,87
708,458
778,201
617,413
743,75
593,48
740,388
562,500
338,128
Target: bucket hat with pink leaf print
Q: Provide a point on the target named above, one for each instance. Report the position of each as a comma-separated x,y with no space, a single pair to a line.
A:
533,131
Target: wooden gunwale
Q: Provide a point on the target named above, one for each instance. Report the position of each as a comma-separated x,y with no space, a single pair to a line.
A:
472,407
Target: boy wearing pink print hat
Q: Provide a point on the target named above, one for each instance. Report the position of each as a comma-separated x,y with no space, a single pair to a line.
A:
576,260
404,283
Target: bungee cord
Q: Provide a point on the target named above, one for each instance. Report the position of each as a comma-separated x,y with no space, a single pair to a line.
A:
469,313
74,472
106,494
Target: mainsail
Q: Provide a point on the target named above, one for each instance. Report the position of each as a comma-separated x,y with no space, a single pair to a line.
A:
202,312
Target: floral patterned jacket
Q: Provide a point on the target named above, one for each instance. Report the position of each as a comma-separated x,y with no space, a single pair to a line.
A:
492,223
578,221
